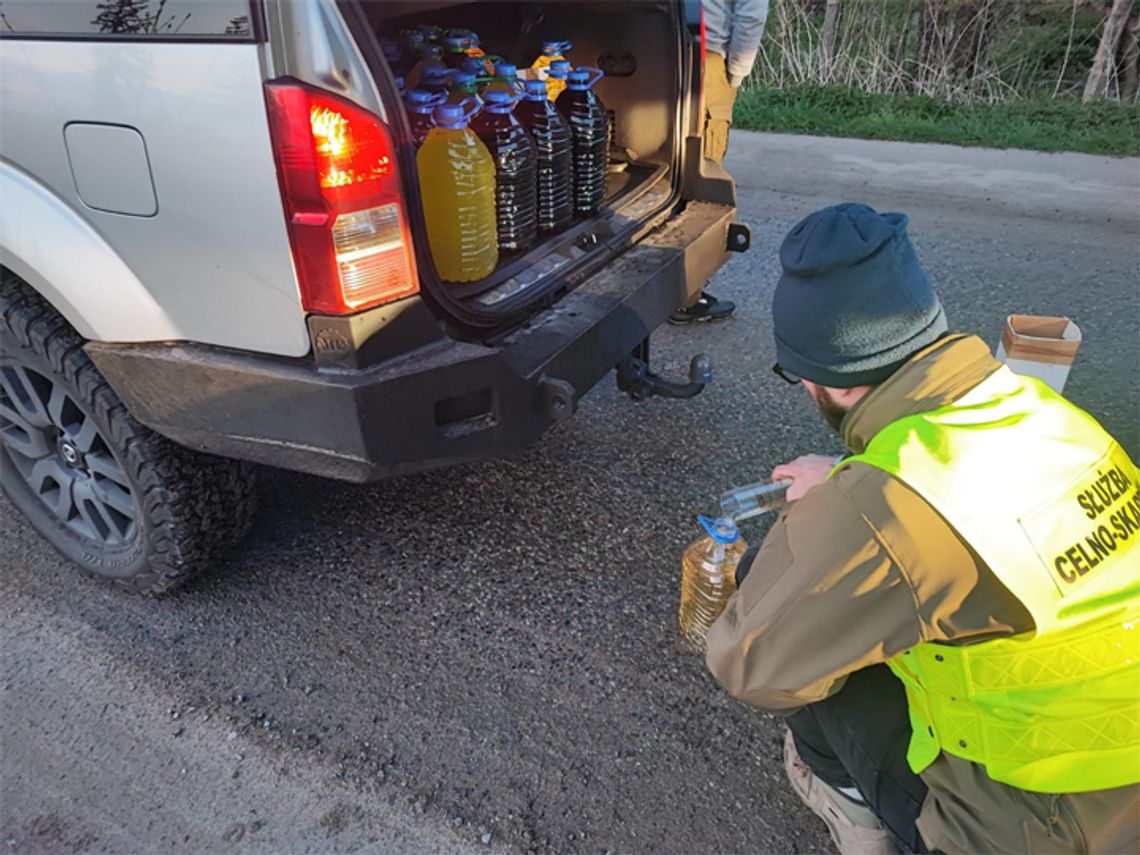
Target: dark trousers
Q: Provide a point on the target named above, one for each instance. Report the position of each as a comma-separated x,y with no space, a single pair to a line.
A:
858,737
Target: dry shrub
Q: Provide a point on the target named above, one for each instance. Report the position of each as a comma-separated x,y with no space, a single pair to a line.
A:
953,50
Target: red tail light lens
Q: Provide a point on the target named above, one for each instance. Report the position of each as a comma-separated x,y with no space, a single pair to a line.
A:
351,246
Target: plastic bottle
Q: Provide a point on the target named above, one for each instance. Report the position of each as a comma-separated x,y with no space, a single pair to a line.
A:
435,79
556,74
426,56
420,106
410,42
393,54
551,137
464,85
476,66
589,130
475,51
551,51
457,185
472,38
516,163
432,33
708,578
506,80
455,46
741,503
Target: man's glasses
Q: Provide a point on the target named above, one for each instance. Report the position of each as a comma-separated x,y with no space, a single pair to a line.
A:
784,375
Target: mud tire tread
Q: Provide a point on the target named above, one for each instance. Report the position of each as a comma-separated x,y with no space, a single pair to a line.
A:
194,505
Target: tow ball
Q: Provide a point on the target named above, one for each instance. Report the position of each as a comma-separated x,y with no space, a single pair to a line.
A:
636,380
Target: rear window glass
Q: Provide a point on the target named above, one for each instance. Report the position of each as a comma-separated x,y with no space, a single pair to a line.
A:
165,19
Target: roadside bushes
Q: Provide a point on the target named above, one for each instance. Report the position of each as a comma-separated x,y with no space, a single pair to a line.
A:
1001,73
956,50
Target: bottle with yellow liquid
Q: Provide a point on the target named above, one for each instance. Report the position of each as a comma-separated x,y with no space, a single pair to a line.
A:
551,51
427,56
708,578
457,183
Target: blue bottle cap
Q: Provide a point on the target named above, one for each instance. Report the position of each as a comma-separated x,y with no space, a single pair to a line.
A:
475,66
498,101
391,50
419,101
505,69
451,116
462,78
457,42
583,78
534,90
559,69
462,32
721,530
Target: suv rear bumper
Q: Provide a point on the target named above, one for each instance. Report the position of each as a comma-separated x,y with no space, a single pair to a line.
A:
443,404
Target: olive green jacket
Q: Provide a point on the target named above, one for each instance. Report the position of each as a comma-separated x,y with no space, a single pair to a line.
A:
859,570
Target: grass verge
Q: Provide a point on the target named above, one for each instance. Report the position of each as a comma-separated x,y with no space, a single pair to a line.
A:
1062,124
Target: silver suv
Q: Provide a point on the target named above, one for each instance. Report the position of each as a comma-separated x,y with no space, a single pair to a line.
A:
186,289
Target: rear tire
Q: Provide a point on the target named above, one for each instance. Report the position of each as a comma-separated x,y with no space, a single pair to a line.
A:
123,503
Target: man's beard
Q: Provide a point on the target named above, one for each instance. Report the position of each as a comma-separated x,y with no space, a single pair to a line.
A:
832,413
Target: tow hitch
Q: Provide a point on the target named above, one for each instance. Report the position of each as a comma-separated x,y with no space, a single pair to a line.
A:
636,380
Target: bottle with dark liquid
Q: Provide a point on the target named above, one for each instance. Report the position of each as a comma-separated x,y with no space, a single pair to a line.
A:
589,131
513,151
551,137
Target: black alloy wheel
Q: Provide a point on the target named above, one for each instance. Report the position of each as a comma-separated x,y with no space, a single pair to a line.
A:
56,447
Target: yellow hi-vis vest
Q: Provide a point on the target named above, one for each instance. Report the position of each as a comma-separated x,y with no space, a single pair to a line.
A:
1050,502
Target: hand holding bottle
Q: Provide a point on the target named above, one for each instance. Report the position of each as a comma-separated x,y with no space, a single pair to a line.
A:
805,472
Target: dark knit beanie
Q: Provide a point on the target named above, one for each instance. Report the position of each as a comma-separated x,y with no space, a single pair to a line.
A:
852,304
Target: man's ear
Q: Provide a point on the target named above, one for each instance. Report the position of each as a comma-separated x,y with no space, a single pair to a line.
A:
848,398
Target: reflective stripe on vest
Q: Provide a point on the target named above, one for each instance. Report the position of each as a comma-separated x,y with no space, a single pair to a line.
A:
1052,505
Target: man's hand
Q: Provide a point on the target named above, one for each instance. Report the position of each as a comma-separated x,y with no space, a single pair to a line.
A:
804,473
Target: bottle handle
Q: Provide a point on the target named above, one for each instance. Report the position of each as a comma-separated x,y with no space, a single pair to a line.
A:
471,105
722,530
563,47
596,74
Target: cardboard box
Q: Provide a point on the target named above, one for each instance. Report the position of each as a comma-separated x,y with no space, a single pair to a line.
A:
1040,346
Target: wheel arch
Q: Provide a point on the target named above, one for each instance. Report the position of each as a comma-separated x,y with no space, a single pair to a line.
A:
61,256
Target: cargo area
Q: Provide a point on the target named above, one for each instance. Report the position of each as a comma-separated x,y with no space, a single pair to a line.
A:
639,46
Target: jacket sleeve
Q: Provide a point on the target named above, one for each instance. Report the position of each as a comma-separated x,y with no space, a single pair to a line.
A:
822,598
748,19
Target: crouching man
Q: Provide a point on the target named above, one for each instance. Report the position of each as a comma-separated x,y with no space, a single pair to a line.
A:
950,617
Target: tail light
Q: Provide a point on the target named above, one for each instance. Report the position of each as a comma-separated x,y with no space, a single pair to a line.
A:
347,226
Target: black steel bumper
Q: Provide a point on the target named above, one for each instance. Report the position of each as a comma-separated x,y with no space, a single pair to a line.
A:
445,403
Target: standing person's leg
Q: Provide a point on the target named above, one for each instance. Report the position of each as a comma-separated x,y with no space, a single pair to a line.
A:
720,96
857,739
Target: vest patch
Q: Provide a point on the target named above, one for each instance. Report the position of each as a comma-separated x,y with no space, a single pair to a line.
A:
1092,522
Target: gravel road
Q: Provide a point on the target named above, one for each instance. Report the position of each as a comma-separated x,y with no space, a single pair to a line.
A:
485,658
